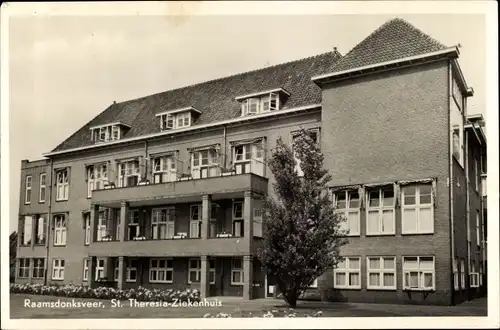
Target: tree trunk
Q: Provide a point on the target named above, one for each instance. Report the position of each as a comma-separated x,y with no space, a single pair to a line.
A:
291,298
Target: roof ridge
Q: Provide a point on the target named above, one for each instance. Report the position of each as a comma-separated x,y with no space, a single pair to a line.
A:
333,53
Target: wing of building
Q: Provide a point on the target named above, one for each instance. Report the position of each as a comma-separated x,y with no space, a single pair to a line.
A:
165,191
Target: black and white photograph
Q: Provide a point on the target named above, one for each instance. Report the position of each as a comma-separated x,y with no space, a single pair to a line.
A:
252,164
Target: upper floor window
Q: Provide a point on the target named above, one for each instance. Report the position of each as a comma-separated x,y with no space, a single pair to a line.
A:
40,235
43,187
380,218
179,118
314,135
248,157
347,204
26,230
417,209
477,175
62,184
205,163
106,133
128,173
27,195
163,223
262,102
164,169
97,177
60,229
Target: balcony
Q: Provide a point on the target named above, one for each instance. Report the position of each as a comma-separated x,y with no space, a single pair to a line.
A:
178,183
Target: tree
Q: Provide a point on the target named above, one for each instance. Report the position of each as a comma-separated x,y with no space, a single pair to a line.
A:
12,254
302,233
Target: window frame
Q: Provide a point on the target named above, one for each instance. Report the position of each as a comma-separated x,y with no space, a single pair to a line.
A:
62,229
462,273
25,241
196,270
421,273
129,268
162,175
238,220
128,169
195,223
23,267
100,269
62,184
211,270
456,278
38,270
380,209
171,121
43,186
347,271
85,275
59,268
28,186
478,228
168,223
235,270
96,174
474,276
257,104
348,209
158,269
87,218
381,271
417,207
37,226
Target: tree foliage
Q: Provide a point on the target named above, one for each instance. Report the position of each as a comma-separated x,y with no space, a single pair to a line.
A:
302,233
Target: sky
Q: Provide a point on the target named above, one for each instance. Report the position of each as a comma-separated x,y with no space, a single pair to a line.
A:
66,70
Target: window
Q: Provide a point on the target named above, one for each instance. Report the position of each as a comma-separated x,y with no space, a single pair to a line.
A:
347,275
380,219
27,228
418,273
456,282
99,269
262,104
478,229
129,173
131,270
211,271
474,277
418,209
106,133
173,121
60,229
204,163
97,177
24,268
195,221
40,231
462,273
457,127
43,188
85,269
161,271
237,272
476,174
381,273
62,185
134,229
194,272
163,223
116,269
58,269
313,134
27,196
38,268
213,220
86,217
480,274
237,219
347,204
164,169
103,225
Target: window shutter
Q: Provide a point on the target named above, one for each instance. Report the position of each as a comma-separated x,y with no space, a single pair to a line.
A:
434,193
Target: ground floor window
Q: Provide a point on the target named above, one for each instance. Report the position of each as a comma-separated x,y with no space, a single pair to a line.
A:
99,269
456,282
131,270
38,268
58,269
347,275
237,272
211,272
418,273
194,273
462,273
161,271
381,273
24,268
85,269
474,277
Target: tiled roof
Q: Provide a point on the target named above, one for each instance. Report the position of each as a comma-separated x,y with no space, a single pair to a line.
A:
393,40
215,98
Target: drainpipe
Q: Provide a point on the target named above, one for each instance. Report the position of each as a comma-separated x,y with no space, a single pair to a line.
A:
224,147
450,186
467,205
49,222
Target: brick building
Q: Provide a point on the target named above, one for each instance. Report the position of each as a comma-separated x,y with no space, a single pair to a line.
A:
165,191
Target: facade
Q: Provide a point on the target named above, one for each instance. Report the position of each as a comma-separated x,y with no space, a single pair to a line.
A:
165,191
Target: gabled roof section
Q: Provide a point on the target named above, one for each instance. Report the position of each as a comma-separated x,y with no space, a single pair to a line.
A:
396,39
215,98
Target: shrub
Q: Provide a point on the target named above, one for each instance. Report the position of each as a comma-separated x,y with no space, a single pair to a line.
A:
80,291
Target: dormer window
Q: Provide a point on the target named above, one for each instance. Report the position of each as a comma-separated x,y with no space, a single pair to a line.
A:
262,102
180,118
110,132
